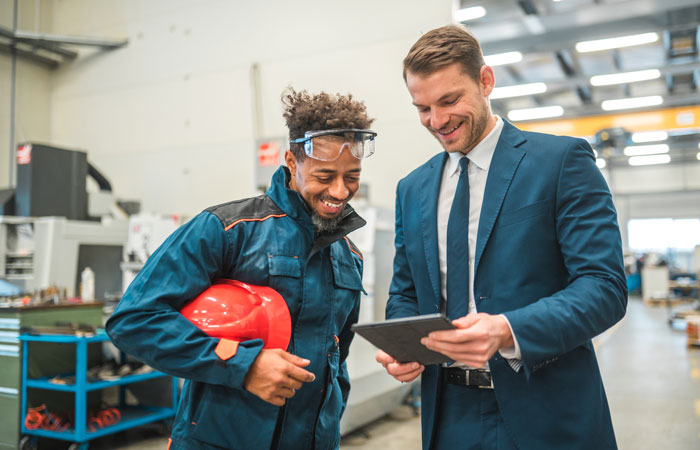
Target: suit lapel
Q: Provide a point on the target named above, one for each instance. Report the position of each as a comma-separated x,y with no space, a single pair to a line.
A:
504,164
428,216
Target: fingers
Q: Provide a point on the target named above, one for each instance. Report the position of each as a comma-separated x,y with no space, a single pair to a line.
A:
383,358
299,374
294,359
405,372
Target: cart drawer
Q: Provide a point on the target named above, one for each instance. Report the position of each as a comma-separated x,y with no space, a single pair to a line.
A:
9,425
9,372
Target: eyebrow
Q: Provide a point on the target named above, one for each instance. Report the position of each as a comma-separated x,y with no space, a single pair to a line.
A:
322,170
444,97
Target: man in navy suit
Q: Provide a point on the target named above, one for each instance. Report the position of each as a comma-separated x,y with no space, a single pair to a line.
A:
514,236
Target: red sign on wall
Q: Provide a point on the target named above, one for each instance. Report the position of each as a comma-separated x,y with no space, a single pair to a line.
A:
24,154
269,154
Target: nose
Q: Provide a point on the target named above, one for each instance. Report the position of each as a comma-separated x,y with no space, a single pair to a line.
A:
438,118
338,190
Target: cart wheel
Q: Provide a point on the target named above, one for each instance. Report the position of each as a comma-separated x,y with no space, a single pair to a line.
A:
26,443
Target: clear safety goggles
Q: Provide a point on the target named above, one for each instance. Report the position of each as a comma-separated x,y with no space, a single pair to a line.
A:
359,142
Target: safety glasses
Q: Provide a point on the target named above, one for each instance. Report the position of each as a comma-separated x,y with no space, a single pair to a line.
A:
327,145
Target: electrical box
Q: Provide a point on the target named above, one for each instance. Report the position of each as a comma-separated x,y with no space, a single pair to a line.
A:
50,182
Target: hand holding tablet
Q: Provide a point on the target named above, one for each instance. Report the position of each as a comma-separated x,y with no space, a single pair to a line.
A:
400,338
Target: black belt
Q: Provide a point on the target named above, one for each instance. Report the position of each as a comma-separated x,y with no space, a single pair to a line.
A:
468,377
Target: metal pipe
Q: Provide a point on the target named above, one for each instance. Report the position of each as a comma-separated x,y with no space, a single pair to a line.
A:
13,83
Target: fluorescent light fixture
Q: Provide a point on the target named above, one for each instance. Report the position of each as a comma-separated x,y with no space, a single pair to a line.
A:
649,160
600,162
698,156
649,136
625,77
640,150
499,59
617,42
465,14
535,113
518,90
628,103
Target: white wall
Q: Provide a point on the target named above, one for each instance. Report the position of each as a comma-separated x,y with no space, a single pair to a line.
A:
168,118
32,88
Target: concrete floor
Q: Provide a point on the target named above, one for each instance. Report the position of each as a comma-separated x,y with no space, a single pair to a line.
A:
651,377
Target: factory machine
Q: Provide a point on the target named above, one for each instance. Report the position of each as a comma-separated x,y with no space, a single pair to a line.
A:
51,228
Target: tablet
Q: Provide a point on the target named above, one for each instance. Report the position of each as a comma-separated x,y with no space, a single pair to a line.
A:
400,338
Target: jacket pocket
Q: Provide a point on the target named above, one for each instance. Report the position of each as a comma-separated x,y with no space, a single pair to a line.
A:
526,212
284,265
328,426
224,417
346,275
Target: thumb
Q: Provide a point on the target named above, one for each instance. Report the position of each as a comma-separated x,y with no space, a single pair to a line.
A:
296,360
466,321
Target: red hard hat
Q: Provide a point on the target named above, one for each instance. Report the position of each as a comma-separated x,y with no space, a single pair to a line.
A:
239,312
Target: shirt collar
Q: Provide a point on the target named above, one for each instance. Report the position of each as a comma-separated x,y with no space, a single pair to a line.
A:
482,153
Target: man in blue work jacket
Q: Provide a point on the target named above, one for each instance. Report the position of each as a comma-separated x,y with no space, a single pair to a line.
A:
292,239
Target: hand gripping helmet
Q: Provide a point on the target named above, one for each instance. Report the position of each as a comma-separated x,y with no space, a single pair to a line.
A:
237,312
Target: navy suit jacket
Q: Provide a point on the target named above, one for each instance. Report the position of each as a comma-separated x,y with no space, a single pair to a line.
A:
549,258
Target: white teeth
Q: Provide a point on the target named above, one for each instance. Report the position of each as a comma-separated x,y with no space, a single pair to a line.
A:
332,205
448,132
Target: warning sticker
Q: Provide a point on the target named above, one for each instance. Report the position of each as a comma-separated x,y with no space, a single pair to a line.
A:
24,154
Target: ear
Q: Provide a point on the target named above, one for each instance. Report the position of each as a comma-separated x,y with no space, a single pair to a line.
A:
487,79
291,161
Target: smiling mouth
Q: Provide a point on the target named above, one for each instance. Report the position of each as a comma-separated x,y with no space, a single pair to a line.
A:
332,205
447,132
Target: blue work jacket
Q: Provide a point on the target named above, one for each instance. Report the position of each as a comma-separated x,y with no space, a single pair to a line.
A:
269,240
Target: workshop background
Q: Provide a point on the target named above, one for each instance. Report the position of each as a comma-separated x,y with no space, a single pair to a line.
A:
120,120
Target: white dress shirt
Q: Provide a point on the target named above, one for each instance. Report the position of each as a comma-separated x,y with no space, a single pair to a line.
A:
479,162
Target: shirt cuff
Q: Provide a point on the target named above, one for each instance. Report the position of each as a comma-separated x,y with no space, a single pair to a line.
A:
514,351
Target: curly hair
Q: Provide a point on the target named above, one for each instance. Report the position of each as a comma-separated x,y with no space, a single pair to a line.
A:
305,112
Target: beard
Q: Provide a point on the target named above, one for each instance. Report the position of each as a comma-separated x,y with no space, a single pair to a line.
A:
325,225
474,130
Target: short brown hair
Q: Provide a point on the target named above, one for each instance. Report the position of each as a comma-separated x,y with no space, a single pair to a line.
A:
306,112
443,47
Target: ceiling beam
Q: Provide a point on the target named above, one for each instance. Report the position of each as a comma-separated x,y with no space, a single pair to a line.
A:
563,30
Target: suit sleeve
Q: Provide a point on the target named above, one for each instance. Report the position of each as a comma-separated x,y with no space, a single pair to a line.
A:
588,235
403,301
147,323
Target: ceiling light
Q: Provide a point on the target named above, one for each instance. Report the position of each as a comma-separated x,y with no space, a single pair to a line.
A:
640,150
472,13
649,160
627,103
626,77
499,59
518,90
618,42
535,113
698,156
600,162
649,136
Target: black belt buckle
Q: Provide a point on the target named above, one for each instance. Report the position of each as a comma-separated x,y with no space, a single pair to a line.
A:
469,377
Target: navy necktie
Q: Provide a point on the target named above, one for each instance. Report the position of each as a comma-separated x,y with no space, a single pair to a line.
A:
458,247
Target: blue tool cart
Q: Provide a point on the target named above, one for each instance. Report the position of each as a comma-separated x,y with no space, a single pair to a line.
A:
80,432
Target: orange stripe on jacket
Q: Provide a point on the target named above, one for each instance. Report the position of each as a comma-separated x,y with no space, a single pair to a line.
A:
252,220
351,249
